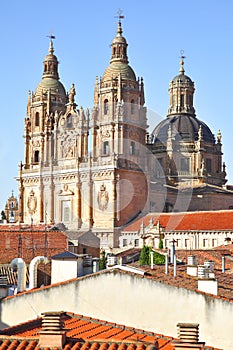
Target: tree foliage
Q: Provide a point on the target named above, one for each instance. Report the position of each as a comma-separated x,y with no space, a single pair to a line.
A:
3,215
145,257
102,261
160,243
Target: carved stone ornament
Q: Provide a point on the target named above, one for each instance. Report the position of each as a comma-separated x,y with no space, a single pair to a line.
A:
103,198
32,203
36,142
105,134
66,191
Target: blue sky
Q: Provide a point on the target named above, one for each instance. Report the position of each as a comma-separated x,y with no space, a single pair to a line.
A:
156,31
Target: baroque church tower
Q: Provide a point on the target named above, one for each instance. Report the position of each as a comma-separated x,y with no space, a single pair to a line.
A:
186,154
62,178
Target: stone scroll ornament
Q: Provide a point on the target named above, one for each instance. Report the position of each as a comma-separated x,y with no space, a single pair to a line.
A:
32,203
103,198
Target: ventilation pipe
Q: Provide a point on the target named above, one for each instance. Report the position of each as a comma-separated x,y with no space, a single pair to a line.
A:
33,270
172,251
175,266
19,265
151,260
166,264
223,264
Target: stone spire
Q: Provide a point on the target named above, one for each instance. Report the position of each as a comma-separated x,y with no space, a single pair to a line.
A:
50,64
119,47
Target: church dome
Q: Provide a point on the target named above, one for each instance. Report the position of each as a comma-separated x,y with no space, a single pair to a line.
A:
183,127
116,68
54,85
182,79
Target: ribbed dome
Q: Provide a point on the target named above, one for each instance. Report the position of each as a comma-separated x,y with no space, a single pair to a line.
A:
116,68
183,79
54,85
183,127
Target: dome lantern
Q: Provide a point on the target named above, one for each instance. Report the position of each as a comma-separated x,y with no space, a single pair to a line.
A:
181,90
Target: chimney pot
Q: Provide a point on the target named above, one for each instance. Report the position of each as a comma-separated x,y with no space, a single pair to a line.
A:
53,333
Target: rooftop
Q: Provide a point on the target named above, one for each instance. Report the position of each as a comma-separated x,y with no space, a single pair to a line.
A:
191,221
84,333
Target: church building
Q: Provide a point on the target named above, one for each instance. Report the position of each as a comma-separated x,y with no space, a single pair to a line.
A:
100,169
61,180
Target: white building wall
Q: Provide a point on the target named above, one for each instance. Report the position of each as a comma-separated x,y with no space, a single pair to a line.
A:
63,270
131,300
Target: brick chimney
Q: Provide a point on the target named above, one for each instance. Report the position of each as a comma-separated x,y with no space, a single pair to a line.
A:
188,334
53,333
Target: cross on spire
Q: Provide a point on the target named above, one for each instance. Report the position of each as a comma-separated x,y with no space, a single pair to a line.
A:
182,57
51,36
119,15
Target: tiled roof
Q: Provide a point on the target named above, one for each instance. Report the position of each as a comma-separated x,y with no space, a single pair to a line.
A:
86,333
194,221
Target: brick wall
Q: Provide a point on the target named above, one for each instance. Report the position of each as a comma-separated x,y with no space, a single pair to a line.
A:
28,244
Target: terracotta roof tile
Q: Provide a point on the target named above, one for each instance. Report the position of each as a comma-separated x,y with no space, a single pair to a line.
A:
95,335
203,220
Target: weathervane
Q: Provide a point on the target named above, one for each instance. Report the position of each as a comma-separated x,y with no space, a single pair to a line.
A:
182,57
119,13
182,54
51,36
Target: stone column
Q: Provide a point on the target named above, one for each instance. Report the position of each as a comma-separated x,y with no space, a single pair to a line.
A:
51,195
79,204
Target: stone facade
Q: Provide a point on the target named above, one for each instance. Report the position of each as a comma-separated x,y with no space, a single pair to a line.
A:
98,169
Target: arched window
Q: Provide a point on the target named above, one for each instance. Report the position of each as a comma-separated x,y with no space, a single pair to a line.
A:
132,150
36,156
105,107
37,119
114,51
106,148
132,106
69,121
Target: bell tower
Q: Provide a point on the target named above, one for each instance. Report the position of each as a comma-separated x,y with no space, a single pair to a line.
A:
119,115
49,97
119,126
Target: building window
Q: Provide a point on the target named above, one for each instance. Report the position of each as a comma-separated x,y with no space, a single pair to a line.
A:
12,204
36,156
84,250
132,106
132,148
69,121
12,214
185,164
214,242
106,148
205,243
136,243
105,107
124,242
182,100
186,243
208,165
37,119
